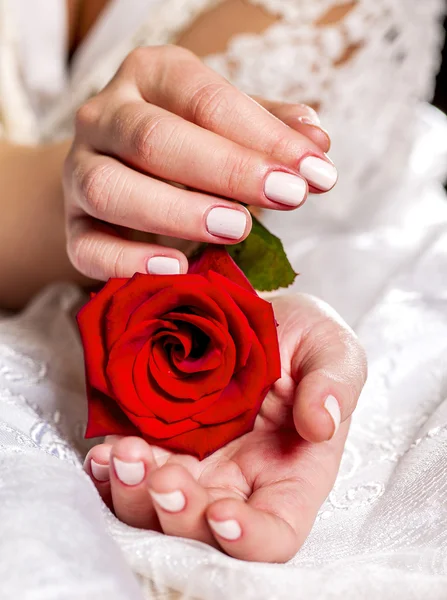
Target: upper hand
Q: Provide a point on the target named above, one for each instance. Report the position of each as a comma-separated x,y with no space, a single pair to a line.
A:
166,117
265,488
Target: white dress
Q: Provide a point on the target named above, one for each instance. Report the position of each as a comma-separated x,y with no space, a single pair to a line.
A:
375,248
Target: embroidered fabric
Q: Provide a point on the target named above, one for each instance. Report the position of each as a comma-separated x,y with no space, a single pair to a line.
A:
376,250
382,528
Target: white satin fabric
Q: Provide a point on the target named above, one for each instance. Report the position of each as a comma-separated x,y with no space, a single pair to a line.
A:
382,532
376,249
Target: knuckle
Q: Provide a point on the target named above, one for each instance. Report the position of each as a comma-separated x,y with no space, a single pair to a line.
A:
209,105
96,258
162,60
96,187
79,253
175,215
116,257
234,174
136,59
176,53
86,116
283,146
142,56
149,137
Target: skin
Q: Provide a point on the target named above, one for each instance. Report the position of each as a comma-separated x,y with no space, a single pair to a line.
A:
162,112
273,480
166,98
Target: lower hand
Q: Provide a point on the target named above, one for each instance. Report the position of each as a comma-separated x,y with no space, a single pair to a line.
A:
257,497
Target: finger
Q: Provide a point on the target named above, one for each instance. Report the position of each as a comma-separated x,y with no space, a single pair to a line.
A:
208,100
180,502
131,463
97,467
99,252
330,367
108,190
302,118
306,124
164,145
279,515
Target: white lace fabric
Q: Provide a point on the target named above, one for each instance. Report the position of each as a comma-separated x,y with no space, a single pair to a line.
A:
376,249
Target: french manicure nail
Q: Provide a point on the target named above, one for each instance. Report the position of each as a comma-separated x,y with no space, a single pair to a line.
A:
99,472
160,455
333,408
226,223
310,121
285,188
318,172
170,501
229,530
130,473
163,265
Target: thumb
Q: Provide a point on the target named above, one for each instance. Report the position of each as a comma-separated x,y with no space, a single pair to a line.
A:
330,368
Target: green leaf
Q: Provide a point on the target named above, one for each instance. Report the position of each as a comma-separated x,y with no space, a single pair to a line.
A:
263,260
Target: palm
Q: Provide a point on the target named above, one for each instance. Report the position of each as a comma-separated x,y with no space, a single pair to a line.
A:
240,468
281,478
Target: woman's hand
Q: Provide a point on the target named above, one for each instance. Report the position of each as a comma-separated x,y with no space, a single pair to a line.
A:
256,498
166,117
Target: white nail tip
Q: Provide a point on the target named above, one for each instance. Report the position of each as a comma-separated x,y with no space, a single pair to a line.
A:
160,455
333,408
99,472
129,473
226,223
163,265
315,120
318,172
170,501
229,530
285,188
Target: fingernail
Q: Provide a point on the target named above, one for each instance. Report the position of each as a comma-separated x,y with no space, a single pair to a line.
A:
160,455
285,188
310,120
333,408
318,172
229,530
99,472
171,501
163,265
226,223
129,473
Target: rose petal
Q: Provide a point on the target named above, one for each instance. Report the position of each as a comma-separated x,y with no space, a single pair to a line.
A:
195,385
91,326
105,417
190,387
238,325
155,428
246,391
261,318
204,441
216,258
120,372
165,293
219,340
127,370
187,365
176,337
181,297
170,409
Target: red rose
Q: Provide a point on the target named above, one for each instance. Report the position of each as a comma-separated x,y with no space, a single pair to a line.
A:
183,360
